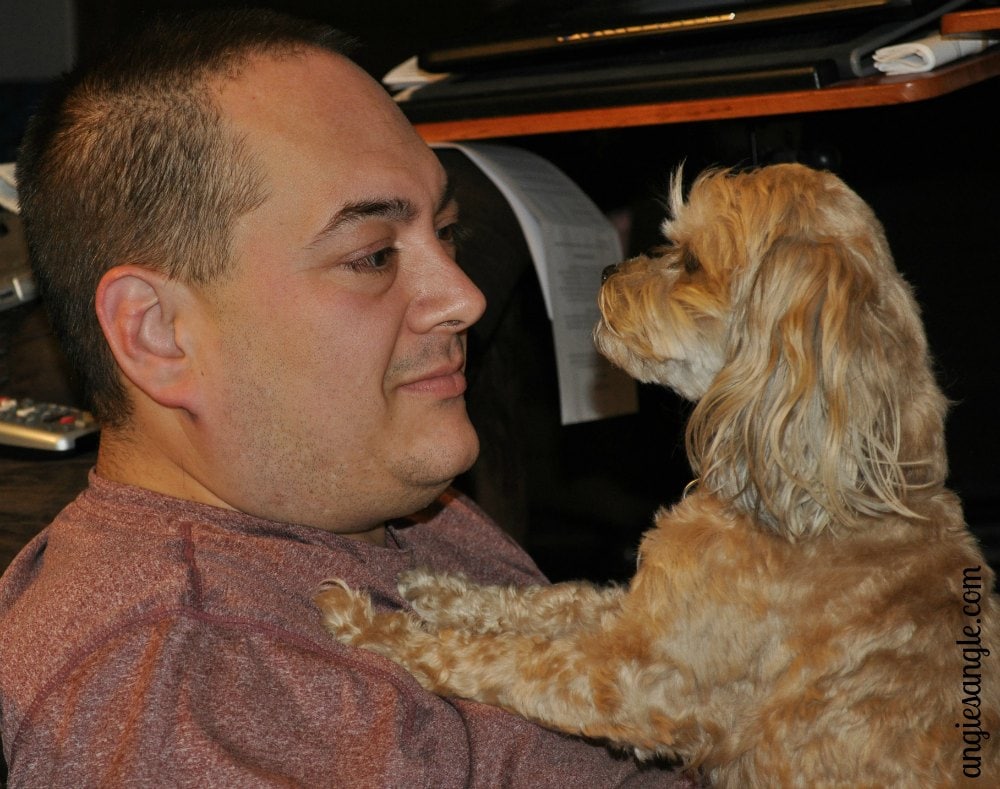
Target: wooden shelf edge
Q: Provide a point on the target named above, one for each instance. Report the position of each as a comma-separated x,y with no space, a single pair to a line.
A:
982,20
865,92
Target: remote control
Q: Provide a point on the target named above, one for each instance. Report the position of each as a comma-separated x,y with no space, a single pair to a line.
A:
27,423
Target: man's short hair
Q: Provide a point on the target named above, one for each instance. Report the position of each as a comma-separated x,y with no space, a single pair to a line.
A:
127,161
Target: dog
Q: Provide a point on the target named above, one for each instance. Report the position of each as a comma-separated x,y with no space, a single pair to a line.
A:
814,612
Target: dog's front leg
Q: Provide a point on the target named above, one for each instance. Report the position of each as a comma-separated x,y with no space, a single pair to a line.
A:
452,600
592,682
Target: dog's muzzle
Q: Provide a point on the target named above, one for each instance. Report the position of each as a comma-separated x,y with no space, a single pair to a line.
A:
608,271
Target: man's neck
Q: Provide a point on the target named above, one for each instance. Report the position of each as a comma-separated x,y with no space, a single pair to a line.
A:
140,463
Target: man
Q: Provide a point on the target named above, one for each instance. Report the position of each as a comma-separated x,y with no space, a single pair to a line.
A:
249,255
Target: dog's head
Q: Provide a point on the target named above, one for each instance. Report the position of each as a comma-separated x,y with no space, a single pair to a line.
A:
776,305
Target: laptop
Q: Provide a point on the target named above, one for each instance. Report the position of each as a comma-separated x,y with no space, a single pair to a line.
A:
549,55
536,32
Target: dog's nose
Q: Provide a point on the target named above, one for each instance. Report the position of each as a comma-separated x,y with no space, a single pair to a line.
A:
608,271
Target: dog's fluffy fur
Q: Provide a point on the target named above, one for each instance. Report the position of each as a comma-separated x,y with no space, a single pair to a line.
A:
815,613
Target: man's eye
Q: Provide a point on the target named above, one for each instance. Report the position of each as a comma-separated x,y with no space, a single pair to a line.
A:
451,233
373,263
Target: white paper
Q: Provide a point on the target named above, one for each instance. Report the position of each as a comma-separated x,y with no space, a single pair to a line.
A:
408,77
8,188
571,242
925,54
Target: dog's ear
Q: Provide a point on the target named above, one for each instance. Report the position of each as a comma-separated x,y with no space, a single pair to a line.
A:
810,425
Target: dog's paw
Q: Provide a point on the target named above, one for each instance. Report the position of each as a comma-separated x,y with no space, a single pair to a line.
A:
351,618
346,613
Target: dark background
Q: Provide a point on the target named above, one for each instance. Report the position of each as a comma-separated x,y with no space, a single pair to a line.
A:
579,497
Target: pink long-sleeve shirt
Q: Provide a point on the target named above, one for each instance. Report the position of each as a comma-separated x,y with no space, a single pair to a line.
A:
149,641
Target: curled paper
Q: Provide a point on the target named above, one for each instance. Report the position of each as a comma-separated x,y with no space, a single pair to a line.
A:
927,53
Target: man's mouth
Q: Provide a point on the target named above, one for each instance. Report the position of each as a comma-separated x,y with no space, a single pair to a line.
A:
446,381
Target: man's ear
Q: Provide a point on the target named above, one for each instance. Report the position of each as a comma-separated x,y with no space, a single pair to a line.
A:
141,312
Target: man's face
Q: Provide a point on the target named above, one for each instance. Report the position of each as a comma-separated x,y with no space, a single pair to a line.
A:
335,349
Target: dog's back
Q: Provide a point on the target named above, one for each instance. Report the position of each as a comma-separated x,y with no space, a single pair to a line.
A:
831,660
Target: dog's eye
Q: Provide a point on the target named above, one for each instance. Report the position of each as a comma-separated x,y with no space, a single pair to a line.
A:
659,251
690,262
682,257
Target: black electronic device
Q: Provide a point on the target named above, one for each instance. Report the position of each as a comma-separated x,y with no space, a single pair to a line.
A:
539,32
763,46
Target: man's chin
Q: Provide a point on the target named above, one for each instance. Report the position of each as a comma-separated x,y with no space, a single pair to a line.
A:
429,486
435,487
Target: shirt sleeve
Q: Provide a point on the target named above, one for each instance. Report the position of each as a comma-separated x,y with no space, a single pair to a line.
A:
186,700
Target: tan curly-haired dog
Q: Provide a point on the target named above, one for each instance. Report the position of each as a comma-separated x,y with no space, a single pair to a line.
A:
815,613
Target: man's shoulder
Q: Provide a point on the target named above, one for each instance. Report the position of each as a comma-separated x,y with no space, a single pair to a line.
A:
76,581
102,568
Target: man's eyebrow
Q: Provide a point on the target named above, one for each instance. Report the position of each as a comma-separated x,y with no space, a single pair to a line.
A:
391,209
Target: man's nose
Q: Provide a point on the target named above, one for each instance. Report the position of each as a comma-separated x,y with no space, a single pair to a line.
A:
450,299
